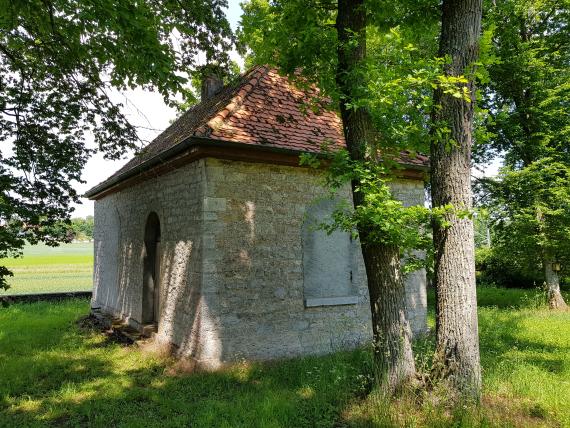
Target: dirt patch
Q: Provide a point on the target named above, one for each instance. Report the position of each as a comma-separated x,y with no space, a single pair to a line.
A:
93,323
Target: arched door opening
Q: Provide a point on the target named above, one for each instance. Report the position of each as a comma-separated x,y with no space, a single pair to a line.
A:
151,271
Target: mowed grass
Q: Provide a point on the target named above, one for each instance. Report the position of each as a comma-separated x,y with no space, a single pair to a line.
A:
43,269
53,373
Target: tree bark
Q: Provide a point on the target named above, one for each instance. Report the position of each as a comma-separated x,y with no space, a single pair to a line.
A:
393,355
392,334
457,338
552,284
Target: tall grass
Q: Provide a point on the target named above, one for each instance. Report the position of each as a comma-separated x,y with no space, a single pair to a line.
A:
53,373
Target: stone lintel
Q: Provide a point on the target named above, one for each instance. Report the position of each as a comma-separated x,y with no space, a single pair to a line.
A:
330,301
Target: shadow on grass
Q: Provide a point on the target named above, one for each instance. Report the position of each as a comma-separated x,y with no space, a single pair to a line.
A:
54,374
505,338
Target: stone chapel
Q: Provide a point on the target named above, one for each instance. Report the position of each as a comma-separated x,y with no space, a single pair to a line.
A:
207,236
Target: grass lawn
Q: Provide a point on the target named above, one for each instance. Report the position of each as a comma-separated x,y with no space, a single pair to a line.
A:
44,269
52,373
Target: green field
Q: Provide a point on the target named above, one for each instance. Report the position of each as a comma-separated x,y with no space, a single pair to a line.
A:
54,373
44,269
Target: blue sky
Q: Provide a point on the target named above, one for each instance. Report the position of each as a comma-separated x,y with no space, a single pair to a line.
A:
234,12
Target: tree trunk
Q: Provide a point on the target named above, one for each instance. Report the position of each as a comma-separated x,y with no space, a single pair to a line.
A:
392,334
457,338
552,284
393,355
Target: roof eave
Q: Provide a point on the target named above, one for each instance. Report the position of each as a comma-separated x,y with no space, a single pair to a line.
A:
178,149
194,142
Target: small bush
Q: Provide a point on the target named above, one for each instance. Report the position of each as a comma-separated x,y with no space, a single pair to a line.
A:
504,270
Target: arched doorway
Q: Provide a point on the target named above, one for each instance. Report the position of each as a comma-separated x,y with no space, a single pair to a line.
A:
151,270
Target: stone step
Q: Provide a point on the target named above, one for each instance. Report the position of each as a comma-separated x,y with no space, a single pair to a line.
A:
118,327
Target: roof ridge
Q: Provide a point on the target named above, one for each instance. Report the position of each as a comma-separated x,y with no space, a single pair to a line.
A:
193,108
260,108
217,121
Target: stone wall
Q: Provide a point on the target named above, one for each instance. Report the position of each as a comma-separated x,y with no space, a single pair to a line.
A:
253,266
120,220
232,263
254,217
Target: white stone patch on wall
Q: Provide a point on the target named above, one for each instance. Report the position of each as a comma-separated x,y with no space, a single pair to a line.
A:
175,259
202,337
130,281
105,272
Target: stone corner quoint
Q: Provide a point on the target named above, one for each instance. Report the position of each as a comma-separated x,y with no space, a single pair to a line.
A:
209,233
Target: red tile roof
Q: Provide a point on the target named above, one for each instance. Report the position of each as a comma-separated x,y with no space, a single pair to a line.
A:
270,111
262,108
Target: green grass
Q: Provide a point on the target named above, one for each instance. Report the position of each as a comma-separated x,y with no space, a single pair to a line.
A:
52,373
44,269
526,353
505,298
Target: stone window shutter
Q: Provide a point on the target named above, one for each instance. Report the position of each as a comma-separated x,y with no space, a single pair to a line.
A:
327,260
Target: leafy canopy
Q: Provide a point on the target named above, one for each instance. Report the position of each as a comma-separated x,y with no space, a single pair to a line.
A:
59,59
527,95
400,68
529,211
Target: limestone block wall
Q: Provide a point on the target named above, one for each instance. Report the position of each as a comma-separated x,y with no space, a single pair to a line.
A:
120,220
253,279
234,249
253,265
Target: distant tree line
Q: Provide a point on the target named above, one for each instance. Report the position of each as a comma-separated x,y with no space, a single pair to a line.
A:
82,228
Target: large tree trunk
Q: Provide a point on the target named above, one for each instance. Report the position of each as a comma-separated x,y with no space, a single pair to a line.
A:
552,283
393,356
457,341
392,333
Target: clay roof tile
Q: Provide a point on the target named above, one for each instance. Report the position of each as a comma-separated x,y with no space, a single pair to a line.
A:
260,108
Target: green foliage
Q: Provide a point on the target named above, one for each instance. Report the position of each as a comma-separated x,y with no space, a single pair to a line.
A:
58,61
482,227
401,69
82,228
499,266
526,95
394,85
399,95
527,89
529,211
292,34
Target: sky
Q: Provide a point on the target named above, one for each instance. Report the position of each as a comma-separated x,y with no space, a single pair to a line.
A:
147,109
143,108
